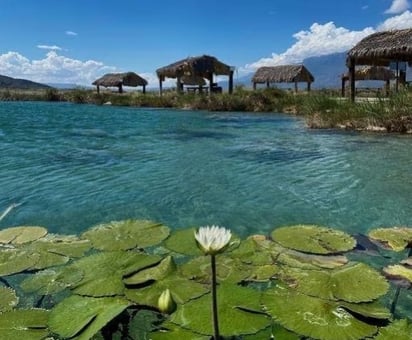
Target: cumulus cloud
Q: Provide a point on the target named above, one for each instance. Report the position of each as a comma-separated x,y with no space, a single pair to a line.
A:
54,68
401,21
318,40
398,6
49,47
71,33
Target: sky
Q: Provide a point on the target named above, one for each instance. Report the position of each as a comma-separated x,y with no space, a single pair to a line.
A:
77,41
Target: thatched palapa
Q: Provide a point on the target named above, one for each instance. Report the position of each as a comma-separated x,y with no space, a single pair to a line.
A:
283,74
198,67
380,49
119,80
370,73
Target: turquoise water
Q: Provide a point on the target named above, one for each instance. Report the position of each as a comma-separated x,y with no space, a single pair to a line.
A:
73,166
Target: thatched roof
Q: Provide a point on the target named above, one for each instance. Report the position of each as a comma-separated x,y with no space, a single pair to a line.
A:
193,80
383,47
283,74
120,79
202,66
371,73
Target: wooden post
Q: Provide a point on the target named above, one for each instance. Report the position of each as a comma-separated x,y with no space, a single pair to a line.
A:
387,87
210,83
296,87
178,85
309,83
397,77
144,89
98,89
267,84
343,86
160,86
231,82
120,88
352,79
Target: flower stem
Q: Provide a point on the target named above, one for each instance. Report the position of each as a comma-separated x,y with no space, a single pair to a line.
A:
214,299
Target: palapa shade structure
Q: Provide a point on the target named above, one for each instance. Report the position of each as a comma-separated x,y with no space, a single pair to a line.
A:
119,80
370,73
283,74
204,66
380,49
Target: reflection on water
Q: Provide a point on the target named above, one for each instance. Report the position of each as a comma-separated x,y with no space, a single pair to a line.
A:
73,166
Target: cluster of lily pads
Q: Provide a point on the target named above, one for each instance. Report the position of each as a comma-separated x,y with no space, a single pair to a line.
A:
298,282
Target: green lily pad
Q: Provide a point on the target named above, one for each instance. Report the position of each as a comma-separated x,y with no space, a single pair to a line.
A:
397,238
314,239
51,281
104,272
183,241
398,272
8,299
171,331
13,261
274,332
65,245
262,273
27,324
82,317
228,269
254,252
352,283
238,310
125,235
163,276
313,317
20,235
301,260
399,330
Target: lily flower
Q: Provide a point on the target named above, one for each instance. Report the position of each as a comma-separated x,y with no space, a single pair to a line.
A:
166,304
213,239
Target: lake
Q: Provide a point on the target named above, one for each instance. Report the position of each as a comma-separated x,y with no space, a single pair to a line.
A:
73,166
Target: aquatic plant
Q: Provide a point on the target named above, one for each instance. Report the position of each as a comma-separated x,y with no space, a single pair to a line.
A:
137,279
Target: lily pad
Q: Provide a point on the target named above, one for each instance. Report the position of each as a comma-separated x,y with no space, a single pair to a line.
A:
157,279
183,242
171,331
352,283
398,272
125,235
8,299
27,324
238,308
228,269
23,234
84,316
13,261
51,281
396,238
254,252
399,330
316,318
314,239
104,272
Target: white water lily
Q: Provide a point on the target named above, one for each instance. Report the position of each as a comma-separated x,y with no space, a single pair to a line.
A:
213,239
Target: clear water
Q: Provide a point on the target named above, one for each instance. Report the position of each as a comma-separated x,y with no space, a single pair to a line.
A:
73,166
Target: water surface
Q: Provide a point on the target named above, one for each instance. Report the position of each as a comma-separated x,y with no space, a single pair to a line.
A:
73,166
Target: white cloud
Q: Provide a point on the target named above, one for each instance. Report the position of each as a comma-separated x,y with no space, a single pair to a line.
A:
71,33
49,47
319,40
398,6
403,20
53,68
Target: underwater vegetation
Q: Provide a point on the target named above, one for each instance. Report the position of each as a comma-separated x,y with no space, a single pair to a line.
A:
138,279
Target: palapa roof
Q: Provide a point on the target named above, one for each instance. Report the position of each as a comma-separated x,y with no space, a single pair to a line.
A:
383,47
282,74
371,73
117,79
202,66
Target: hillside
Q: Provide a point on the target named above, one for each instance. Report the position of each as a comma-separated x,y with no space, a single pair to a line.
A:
23,84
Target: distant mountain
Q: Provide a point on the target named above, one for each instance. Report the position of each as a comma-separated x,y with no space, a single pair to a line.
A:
64,86
326,69
23,84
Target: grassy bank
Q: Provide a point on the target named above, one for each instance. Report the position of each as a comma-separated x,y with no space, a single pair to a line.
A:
321,109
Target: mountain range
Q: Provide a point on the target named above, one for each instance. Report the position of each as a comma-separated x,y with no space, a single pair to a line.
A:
14,83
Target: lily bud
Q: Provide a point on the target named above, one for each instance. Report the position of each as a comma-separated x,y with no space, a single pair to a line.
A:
166,304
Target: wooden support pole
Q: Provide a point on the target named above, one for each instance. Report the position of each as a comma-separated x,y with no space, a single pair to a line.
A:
210,83
231,82
120,88
178,85
254,85
343,86
296,87
309,84
160,86
144,89
352,79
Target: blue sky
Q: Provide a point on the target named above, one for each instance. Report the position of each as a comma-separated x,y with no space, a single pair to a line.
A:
76,41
